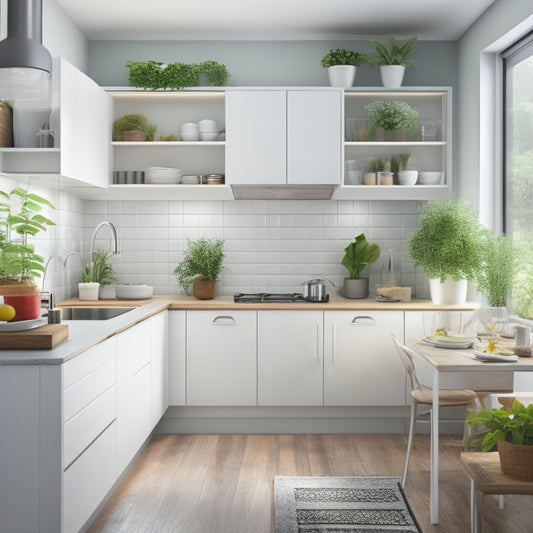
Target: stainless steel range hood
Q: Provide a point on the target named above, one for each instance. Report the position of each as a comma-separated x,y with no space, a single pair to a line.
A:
282,192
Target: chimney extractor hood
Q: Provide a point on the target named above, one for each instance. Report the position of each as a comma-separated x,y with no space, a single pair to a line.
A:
282,192
25,64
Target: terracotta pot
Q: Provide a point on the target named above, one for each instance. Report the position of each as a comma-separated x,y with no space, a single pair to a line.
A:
516,460
383,135
133,135
204,290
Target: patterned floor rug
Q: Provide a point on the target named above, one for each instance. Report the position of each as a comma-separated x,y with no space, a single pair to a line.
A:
341,505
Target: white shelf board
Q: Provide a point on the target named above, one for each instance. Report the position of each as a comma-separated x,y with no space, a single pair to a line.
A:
392,192
166,144
394,143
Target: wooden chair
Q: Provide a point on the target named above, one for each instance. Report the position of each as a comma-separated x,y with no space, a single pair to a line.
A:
421,395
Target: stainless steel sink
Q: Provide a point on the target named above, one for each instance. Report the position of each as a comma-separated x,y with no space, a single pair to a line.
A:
92,313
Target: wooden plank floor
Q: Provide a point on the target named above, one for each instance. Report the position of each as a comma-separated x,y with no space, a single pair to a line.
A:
223,483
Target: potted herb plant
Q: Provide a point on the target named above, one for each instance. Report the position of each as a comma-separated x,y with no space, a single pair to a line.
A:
342,66
392,60
510,429
21,217
133,127
98,271
358,254
406,176
391,120
201,266
447,244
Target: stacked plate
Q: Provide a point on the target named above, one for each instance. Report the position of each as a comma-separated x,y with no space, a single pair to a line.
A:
163,175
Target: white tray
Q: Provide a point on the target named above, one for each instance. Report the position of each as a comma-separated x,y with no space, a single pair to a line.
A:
23,324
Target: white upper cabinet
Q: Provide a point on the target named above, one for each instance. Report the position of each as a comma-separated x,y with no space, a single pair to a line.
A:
80,122
278,137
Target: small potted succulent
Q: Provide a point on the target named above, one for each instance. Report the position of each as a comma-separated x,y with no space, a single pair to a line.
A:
201,266
342,66
133,127
358,254
392,60
510,430
391,120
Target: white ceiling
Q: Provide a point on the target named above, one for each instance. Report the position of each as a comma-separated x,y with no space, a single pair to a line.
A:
273,19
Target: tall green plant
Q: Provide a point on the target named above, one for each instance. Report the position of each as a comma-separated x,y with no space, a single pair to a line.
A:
21,216
99,269
358,255
392,54
498,268
202,260
448,241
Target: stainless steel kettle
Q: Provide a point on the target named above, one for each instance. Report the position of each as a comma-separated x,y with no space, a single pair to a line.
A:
315,290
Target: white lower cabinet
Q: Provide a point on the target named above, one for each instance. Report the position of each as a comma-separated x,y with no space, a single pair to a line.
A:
290,357
361,365
133,391
221,358
159,348
177,355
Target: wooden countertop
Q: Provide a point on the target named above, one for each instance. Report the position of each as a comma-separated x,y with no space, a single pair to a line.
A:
336,303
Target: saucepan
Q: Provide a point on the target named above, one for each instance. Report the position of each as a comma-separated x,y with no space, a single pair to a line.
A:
315,290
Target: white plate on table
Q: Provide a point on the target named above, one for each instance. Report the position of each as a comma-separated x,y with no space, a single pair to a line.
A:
490,357
453,344
22,325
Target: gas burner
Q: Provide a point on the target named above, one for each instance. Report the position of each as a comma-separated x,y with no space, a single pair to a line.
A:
266,297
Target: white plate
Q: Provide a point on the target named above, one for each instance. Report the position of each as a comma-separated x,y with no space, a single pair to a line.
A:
481,356
455,345
23,324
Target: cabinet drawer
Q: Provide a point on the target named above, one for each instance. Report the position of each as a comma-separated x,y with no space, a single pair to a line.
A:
134,345
89,479
82,365
85,426
85,391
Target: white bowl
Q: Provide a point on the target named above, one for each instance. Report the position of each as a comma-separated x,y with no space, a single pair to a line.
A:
407,177
190,136
209,135
208,126
430,178
190,126
134,292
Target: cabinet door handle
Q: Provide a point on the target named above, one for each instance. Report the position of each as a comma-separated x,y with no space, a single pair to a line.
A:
317,346
333,344
363,319
223,320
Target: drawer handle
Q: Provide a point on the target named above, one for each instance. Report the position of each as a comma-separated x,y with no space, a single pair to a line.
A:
223,320
362,320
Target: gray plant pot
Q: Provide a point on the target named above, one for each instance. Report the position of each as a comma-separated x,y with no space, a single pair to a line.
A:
355,288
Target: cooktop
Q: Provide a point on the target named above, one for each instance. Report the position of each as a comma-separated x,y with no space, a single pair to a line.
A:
267,297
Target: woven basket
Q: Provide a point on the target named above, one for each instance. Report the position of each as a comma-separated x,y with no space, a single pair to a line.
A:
6,126
516,460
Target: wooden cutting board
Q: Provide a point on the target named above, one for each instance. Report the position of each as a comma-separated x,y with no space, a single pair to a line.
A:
43,338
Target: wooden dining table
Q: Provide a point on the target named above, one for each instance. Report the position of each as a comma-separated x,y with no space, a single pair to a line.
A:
445,361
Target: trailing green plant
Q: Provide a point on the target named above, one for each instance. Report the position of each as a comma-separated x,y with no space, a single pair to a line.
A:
217,75
156,75
392,54
512,424
133,122
498,267
341,56
391,115
448,241
359,254
99,269
202,260
21,216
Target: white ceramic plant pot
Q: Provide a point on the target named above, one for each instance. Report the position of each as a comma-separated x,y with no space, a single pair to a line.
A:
448,293
88,291
392,75
107,292
407,177
342,75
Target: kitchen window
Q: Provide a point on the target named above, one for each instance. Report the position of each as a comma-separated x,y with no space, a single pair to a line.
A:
518,165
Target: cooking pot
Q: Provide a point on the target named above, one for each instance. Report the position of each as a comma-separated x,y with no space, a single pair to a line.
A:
315,290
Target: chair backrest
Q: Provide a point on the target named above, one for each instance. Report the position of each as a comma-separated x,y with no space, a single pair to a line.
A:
406,356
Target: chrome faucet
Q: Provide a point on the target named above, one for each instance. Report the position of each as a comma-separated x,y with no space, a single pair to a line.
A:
113,233
47,297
